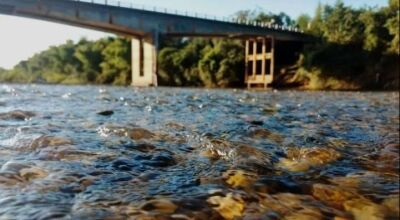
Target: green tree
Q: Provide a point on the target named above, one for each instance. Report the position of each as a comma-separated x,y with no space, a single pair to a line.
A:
89,54
303,22
341,24
116,67
392,24
221,65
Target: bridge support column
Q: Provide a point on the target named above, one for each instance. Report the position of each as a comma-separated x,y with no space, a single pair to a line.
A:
144,62
259,60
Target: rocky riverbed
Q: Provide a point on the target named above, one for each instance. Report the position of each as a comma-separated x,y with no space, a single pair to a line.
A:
86,152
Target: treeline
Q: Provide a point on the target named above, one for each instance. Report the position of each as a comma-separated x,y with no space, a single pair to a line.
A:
358,48
354,49
105,61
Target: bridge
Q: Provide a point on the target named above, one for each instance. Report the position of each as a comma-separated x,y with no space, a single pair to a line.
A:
145,26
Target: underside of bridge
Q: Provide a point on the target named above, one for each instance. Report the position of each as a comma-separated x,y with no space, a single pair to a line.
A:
145,28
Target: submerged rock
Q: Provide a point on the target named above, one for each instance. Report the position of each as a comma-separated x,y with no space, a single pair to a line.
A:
364,209
303,159
240,155
239,178
32,173
333,195
10,178
144,147
393,205
14,166
17,115
140,133
14,172
230,206
49,141
135,133
295,206
162,206
259,133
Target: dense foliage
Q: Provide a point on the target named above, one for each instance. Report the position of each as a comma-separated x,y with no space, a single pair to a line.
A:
358,48
355,48
199,62
106,61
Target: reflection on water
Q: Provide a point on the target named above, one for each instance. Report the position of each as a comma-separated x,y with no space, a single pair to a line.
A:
119,153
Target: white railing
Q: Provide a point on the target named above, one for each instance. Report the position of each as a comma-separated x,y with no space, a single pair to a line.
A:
230,19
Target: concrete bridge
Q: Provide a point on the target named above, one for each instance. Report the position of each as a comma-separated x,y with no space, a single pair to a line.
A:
145,26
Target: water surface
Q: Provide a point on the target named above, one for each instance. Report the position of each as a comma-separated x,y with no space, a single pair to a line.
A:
86,152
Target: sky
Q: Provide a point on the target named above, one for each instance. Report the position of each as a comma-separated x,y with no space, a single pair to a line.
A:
21,38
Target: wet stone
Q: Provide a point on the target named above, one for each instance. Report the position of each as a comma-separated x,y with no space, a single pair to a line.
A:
230,206
49,141
161,160
392,204
239,178
305,158
10,179
145,148
243,156
32,173
140,133
14,166
106,113
17,115
259,133
255,122
163,206
333,195
276,185
365,209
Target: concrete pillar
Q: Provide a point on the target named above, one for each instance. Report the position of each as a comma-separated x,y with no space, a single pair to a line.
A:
260,75
144,62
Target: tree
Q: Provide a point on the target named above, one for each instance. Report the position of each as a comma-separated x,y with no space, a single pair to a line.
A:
341,24
89,54
116,67
222,64
303,22
392,24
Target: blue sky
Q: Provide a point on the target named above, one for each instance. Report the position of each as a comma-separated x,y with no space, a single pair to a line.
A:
20,38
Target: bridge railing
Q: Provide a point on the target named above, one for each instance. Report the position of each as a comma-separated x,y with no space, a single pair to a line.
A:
230,19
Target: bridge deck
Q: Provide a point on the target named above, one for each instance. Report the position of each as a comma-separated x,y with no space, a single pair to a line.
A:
137,22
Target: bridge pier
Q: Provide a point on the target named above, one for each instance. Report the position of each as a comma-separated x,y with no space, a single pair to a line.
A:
260,61
144,61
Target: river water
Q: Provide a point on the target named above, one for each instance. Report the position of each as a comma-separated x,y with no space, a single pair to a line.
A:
86,152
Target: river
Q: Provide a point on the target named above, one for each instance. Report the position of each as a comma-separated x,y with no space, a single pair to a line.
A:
97,152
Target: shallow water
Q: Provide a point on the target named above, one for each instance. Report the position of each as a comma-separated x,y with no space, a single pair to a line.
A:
85,152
